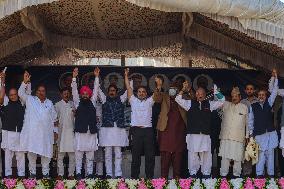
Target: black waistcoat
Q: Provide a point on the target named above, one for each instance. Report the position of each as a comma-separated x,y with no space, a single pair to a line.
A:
12,116
85,117
199,118
263,118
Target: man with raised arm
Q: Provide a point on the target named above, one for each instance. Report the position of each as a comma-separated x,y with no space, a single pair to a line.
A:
12,114
65,111
113,134
37,136
198,129
142,131
171,131
85,124
261,127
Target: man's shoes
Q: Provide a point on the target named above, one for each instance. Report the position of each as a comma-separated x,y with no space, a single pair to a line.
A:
100,177
21,177
71,178
33,176
90,176
118,177
108,177
206,176
235,177
260,176
79,176
194,176
59,177
46,176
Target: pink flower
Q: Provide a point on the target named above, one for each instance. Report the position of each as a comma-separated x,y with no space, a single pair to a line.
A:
142,185
29,183
81,185
10,183
59,184
224,184
248,184
122,185
185,183
281,183
158,183
259,183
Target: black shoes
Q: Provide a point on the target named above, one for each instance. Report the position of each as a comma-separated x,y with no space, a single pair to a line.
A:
33,176
79,176
108,177
46,176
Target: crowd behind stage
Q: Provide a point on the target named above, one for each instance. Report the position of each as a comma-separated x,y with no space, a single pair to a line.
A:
88,125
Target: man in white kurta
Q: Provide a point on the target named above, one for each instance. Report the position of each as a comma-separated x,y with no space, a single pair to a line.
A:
85,142
198,138
37,136
65,110
234,130
113,134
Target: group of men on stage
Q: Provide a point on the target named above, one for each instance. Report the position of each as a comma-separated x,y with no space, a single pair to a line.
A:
86,121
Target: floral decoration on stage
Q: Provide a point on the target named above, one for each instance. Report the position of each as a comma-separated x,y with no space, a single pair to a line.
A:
160,183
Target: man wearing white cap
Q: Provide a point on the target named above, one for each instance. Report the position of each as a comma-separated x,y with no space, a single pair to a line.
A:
234,130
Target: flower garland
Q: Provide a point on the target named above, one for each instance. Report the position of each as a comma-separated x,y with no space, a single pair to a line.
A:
160,183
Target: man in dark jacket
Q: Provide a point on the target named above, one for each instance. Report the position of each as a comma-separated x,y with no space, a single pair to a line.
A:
85,124
12,116
113,135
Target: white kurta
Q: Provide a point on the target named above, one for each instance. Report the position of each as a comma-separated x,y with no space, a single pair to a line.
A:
10,139
113,136
198,142
65,112
86,142
232,150
37,133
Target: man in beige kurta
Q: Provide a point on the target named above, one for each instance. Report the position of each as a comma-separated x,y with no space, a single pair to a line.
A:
234,131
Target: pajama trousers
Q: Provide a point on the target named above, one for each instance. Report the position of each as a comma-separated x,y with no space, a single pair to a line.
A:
265,158
20,157
225,165
99,160
60,165
168,159
117,160
44,163
200,159
89,161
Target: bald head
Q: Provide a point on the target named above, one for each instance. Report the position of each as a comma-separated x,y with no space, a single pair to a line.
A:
200,94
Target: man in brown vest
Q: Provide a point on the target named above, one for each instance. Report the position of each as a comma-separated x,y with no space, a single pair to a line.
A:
171,131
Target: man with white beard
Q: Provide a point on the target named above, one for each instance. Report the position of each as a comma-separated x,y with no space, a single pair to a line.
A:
37,136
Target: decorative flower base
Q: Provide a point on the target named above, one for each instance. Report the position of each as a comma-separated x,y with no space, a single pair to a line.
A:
160,183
